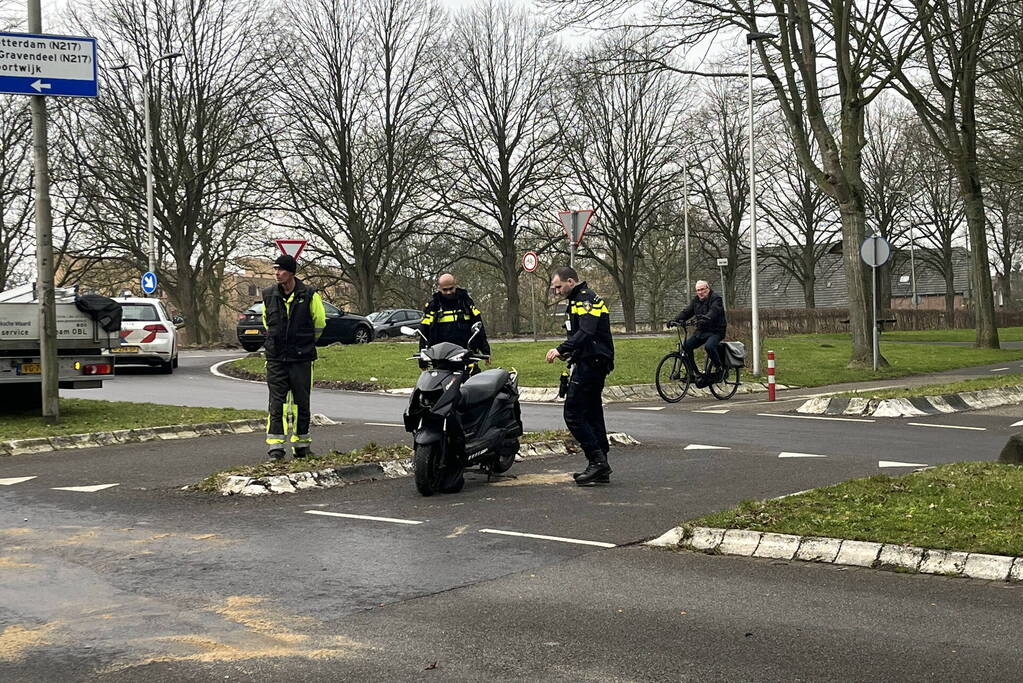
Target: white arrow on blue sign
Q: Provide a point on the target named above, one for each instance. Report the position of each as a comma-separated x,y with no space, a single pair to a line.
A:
149,282
32,64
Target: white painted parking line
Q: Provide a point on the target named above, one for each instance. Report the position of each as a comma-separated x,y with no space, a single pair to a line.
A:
14,480
790,454
85,489
924,424
998,369
370,518
814,417
648,408
713,411
702,447
541,537
894,463
383,424
1017,424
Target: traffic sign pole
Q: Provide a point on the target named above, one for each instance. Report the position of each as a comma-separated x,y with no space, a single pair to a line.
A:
875,252
529,263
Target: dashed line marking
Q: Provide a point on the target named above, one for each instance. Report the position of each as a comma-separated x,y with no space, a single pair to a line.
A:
924,424
894,463
815,417
382,424
713,411
541,537
998,369
370,518
791,454
1017,424
794,493
14,480
648,408
703,447
85,489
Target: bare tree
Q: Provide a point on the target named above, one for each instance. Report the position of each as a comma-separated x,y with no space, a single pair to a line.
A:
501,140
622,133
355,140
1005,219
209,158
16,205
950,39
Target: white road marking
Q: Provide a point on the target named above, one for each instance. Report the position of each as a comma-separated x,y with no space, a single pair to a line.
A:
392,520
790,454
85,489
998,369
702,447
893,463
14,480
383,424
713,411
648,408
795,493
577,541
780,400
924,424
832,393
1017,424
215,370
814,417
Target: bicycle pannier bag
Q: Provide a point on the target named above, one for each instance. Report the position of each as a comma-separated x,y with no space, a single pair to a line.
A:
735,354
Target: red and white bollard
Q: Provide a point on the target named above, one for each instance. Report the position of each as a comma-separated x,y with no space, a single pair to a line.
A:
770,375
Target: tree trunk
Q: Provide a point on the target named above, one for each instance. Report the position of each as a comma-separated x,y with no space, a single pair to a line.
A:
857,282
980,273
950,292
510,271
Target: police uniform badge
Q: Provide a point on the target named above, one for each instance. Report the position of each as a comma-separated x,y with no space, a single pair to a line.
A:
588,305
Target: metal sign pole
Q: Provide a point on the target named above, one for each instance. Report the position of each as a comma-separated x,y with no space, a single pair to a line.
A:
532,304
873,273
44,247
724,287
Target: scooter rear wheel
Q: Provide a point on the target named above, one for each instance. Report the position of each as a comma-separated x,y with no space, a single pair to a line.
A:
506,456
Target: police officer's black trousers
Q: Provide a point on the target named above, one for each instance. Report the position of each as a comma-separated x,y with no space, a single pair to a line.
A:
584,412
282,378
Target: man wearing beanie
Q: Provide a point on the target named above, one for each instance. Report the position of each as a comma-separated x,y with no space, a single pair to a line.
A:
294,318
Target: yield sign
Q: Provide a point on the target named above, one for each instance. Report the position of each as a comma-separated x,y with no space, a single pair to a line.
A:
574,223
291,247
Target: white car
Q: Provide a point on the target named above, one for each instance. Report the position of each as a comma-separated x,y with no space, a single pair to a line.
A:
148,335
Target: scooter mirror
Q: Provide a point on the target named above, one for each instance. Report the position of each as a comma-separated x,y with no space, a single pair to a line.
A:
407,331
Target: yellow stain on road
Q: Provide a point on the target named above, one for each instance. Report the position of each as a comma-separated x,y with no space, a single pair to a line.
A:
11,563
545,479
16,640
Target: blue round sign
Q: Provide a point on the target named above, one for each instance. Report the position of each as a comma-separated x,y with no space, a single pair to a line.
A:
149,282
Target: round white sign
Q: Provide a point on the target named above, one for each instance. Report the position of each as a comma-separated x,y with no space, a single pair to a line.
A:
875,251
530,261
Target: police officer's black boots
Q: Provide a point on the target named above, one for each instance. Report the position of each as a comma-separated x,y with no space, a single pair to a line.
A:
597,472
276,455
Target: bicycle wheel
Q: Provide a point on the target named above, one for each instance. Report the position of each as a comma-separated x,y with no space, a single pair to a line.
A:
728,385
672,378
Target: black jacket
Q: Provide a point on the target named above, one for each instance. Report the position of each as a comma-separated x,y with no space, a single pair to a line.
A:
290,333
713,308
452,321
589,327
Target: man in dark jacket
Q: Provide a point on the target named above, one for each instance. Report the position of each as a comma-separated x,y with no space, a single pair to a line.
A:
590,352
449,317
709,310
294,318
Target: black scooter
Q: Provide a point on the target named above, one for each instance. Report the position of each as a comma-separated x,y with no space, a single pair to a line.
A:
460,421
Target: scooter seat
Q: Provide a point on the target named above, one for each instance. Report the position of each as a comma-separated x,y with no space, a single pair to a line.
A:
484,386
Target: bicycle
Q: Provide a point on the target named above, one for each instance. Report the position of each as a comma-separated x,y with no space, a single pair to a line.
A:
677,371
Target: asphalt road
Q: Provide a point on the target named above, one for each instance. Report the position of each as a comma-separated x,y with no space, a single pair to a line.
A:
144,580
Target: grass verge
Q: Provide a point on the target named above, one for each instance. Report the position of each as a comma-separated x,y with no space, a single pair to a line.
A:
942,389
803,360
371,452
971,507
80,416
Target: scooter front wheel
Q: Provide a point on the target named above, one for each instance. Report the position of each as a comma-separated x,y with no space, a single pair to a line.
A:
429,474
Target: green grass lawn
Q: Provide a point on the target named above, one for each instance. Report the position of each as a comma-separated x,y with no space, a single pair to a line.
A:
804,360
942,389
1004,334
79,416
972,507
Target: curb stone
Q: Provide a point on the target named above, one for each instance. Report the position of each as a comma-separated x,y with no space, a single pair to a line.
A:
65,442
884,556
387,469
619,393
913,406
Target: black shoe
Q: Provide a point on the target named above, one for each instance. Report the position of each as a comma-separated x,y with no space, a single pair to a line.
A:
303,452
597,471
276,455
702,381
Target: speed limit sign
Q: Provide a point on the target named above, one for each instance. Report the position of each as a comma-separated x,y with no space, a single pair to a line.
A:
530,261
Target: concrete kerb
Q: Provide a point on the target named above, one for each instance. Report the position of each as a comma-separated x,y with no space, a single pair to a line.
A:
166,432
914,406
371,471
885,556
618,393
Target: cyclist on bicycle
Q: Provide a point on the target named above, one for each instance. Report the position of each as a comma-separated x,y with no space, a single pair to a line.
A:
708,309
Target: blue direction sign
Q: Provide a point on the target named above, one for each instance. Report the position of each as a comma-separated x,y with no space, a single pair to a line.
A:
149,282
32,64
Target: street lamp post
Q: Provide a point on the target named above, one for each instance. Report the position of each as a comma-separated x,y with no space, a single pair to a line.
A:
912,264
755,313
685,222
149,156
